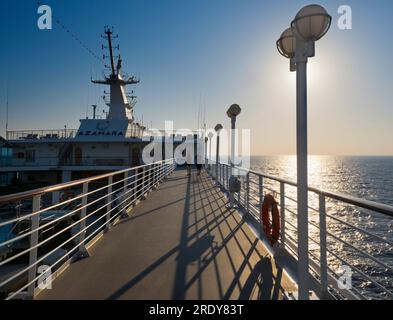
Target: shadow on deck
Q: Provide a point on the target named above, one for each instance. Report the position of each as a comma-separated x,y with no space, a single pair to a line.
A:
181,243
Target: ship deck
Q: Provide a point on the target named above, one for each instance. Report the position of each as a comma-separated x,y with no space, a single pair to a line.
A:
181,243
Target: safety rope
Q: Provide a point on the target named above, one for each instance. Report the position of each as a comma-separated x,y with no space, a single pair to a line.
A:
74,36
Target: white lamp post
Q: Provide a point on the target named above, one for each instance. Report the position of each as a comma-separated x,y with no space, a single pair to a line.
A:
206,140
298,44
210,135
234,183
218,128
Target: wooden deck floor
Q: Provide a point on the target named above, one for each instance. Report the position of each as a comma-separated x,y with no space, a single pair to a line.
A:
180,243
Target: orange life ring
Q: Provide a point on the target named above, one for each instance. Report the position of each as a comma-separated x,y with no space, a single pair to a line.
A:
272,232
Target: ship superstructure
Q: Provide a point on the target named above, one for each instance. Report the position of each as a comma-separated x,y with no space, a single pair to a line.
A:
99,145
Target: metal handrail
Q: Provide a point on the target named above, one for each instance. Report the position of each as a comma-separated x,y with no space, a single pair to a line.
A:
362,203
66,185
249,194
119,196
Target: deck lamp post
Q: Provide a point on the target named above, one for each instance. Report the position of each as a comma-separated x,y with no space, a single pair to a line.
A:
218,128
210,135
297,43
234,182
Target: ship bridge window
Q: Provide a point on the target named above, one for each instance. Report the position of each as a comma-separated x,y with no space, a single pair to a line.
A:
30,155
19,155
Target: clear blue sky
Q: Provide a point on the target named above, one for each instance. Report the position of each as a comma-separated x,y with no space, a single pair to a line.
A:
222,49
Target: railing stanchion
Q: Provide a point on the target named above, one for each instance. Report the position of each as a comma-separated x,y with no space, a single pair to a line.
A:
151,177
224,183
82,252
239,195
143,183
221,171
157,174
109,203
135,185
323,245
282,207
125,199
260,185
227,178
55,197
248,192
35,223
260,194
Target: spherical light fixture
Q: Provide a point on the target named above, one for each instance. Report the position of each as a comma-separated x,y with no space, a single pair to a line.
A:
234,110
312,22
286,44
218,127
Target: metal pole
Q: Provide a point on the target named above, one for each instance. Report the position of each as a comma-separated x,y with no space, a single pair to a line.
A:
126,197
35,223
217,156
210,154
109,203
248,192
233,137
323,246
282,207
82,251
206,167
232,161
260,184
302,180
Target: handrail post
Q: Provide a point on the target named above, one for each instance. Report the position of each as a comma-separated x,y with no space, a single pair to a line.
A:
224,184
126,197
239,195
109,204
151,177
282,207
323,245
35,223
143,184
223,176
221,171
227,178
260,185
55,197
82,252
135,185
157,174
216,169
248,192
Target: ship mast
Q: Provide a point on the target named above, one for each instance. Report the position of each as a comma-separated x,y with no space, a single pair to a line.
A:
109,34
119,103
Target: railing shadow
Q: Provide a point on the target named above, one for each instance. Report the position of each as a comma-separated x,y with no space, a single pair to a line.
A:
212,236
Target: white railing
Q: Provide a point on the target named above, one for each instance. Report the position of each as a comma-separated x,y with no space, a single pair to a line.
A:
134,131
32,135
58,224
345,234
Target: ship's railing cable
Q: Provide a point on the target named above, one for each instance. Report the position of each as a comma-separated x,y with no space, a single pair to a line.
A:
64,220
73,35
339,240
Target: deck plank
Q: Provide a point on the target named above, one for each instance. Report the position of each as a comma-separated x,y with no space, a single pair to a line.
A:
180,243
